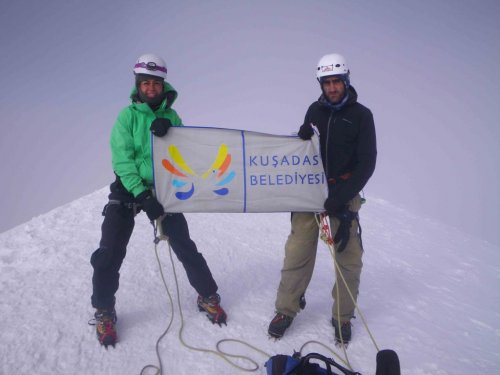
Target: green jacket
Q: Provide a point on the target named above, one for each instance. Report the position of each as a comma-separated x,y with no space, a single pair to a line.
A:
131,140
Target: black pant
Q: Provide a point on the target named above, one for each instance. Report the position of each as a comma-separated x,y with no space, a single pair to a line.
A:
116,231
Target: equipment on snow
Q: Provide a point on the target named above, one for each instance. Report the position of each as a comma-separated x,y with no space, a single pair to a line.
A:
387,364
211,306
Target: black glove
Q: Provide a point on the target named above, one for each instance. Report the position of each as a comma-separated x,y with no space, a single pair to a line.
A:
345,218
305,132
150,205
332,206
342,235
160,126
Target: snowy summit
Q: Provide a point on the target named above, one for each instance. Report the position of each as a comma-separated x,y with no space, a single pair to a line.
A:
428,291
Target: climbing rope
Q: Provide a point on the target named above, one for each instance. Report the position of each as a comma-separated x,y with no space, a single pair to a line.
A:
221,354
203,350
326,236
159,369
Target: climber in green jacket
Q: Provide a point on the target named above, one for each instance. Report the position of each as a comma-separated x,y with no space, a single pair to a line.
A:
132,191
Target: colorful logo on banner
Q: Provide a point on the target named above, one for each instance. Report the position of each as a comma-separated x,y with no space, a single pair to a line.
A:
181,172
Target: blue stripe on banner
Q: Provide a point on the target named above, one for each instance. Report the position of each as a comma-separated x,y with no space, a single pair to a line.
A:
152,160
244,172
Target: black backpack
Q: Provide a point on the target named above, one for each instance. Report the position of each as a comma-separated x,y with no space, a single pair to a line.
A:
295,365
387,364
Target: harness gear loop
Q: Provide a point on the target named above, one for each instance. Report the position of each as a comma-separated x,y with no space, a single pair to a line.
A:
136,207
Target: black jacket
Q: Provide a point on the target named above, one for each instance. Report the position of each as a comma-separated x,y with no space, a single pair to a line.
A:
348,144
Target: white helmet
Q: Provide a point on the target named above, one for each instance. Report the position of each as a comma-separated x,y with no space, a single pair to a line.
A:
332,64
152,65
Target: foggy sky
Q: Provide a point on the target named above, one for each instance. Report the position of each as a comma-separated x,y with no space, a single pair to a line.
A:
427,69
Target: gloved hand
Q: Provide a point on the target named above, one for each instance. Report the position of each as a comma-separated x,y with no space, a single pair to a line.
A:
160,126
345,218
150,205
305,132
342,235
332,206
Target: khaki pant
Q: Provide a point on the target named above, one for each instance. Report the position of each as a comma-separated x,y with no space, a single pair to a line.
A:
300,256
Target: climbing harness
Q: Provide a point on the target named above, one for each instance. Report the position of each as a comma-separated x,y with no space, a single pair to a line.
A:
135,207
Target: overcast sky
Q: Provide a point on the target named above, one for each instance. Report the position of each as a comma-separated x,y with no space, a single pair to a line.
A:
427,69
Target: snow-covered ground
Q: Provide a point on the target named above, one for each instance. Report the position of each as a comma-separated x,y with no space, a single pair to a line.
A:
428,291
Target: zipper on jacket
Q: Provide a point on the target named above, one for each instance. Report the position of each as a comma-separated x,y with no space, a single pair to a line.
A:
327,169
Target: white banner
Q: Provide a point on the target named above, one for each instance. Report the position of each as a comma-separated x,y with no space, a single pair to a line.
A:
199,169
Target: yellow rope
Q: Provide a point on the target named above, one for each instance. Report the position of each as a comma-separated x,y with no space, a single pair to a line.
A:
224,355
240,342
339,273
203,350
326,236
159,369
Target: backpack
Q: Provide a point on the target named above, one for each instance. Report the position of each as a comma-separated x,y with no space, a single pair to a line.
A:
387,364
295,365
